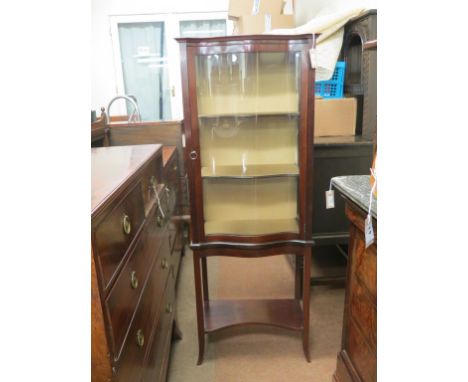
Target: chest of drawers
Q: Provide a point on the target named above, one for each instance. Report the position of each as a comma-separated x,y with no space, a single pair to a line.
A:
134,263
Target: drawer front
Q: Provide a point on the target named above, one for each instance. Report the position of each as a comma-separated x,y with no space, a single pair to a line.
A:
361,356
364,312
158,356
117,230
130,364
365,266
125,293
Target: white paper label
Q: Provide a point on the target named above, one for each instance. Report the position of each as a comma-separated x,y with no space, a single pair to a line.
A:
330,199
267,23
313,58
255,7
368,231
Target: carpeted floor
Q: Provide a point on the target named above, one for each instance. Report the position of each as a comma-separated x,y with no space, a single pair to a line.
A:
257,353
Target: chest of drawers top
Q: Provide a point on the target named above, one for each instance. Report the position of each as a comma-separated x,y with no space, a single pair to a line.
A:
113,167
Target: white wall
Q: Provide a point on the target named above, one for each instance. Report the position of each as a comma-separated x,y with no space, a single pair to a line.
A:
103,73
308,9
103,76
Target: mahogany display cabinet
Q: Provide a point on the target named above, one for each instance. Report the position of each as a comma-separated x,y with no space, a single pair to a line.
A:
249,128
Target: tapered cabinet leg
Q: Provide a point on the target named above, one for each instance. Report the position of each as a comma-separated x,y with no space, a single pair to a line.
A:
298,265
204,271
306,302
199,304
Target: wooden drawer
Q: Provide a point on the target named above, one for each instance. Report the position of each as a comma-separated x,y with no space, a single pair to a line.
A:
363,359
130,364
365,266
116,231
364,312
155,366
125,293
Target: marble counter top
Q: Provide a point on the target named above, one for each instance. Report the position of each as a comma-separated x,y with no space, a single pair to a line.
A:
356,188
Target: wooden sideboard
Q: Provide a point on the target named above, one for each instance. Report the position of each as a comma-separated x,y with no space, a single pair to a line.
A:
135,257
357,360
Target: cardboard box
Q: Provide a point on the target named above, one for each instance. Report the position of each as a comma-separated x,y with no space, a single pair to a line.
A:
238,8
262,23
335,117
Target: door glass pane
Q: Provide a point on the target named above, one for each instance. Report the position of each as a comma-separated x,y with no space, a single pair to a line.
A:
202,28
248,116
145,71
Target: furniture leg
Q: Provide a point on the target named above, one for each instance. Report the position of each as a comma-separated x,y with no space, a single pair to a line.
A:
199,304
298,277
204,271
306,302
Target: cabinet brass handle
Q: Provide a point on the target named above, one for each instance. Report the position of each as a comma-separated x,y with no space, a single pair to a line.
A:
126,225
133,280
164,263
140,338
193,155
168,307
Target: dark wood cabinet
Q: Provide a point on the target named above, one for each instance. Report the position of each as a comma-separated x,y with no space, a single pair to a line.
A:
248,123
134,262
357,360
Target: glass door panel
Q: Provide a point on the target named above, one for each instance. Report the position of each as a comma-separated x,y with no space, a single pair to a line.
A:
248,109
202,28
251,206
145,68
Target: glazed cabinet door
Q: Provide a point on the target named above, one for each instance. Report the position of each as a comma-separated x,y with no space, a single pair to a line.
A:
245,140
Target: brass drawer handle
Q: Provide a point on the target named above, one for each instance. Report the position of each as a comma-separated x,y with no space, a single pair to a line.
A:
168,307
126,225
133,280
164,263
159,220
153,181
140,338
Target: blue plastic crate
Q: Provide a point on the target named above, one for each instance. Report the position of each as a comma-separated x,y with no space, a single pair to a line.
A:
332,88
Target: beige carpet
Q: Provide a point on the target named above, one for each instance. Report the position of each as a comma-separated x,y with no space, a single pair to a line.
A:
255,353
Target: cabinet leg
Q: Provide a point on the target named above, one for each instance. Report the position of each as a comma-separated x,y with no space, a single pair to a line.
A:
298,260
306,302
199,304
204,271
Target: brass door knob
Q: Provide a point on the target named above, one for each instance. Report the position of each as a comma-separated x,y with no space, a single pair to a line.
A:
140,338
168,307
193,155
126,225
133,280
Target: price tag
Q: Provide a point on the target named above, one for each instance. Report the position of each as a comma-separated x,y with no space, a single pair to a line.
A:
330,199
368,231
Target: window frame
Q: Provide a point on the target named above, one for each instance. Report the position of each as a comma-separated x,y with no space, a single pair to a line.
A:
171,31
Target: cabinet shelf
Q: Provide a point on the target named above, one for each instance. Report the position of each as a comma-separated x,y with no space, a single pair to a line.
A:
250,171
293,114
284,313
251,227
